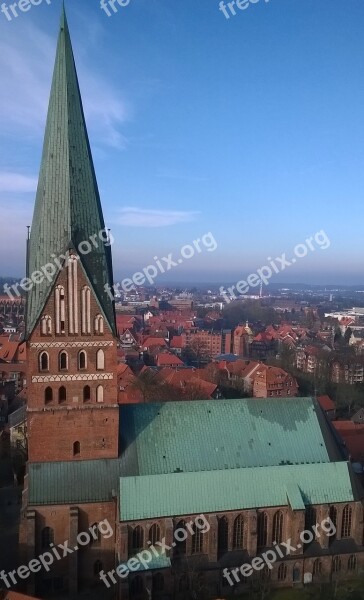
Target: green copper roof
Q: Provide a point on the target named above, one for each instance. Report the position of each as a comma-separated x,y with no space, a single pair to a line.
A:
67,208
71,482
222,434
179,494
213,445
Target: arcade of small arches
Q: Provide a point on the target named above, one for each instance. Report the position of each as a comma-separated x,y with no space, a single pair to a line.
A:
269,529
61,394
46,323
64,363
141,537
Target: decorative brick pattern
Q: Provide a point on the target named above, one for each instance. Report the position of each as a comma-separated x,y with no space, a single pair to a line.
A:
85,377
45,345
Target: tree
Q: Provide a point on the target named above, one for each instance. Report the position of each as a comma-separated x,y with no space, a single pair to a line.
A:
196,352
147,384
253,311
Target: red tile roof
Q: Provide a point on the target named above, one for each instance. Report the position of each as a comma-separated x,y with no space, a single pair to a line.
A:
326,403
189,379
353,436
178,341
165,359
127,392
12,351
153,341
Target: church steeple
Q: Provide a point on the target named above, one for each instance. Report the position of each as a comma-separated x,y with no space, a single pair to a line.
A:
67,209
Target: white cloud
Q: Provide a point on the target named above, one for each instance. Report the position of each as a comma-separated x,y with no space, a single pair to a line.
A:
14,182
141,217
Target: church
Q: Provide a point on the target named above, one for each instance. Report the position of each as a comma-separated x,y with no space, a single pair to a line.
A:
238,476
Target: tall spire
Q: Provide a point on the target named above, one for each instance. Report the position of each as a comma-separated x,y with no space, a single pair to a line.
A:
67,208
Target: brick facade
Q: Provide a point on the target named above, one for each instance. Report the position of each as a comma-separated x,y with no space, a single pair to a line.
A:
204,570
55,425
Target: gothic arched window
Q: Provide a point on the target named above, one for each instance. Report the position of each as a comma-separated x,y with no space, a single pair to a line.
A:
238,533
44,361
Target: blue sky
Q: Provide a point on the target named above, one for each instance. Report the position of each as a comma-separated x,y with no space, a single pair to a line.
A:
250,128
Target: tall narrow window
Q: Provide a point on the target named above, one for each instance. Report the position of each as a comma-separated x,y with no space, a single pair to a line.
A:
333,517
82,360
352,563
296,573
99,394
154,534
62,395
317,567
99,325
238,533
72,294
310,520
197,540
86,393
346,522
336,564
136,540
46,325
76,448
278,527
180,537
95,534
222,536
48,395
47,537
63,361
44,361
282,572
262,529
60,309
86,310
100,360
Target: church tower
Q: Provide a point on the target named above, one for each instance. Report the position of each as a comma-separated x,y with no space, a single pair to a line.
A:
70,320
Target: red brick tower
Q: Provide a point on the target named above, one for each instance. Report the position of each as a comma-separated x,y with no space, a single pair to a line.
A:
70,323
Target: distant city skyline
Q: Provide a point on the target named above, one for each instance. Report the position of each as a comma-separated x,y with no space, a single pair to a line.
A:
250,128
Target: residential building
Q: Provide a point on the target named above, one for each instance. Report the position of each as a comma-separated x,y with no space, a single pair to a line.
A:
270,382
